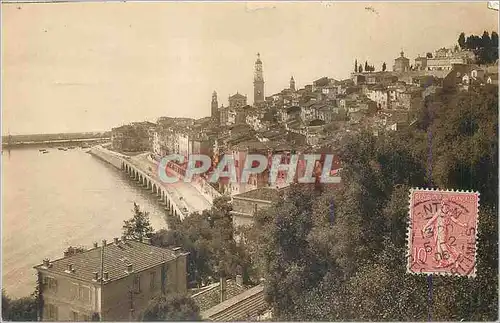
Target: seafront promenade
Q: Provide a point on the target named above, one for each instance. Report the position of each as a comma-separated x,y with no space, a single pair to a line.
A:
182,198
189,196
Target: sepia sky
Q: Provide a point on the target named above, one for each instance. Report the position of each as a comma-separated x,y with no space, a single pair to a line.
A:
69,67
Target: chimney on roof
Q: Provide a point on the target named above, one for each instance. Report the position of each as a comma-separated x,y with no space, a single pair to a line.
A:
147,240
70,268
124,239
239,280
104,243
222,289
177,250
95,244
46,262
66,253
105,275
129,268
116,240
96,276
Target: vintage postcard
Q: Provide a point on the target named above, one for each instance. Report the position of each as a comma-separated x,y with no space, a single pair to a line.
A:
249,161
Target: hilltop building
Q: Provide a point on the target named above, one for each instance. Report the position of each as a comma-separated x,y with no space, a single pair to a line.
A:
446,58
237,101
401,64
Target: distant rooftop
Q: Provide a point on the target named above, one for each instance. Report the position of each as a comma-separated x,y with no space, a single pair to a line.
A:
263,193
237,96
243,307
251,145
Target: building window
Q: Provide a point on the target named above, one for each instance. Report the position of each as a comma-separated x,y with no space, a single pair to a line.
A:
51,312
74,291
85,318
152,282
51,284
137,284
74,316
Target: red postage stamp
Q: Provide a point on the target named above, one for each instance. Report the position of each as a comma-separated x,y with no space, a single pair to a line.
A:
442,232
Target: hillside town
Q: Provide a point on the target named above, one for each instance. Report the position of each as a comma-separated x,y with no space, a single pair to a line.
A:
313,119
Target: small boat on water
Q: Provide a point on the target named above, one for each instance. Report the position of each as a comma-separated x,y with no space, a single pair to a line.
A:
45,152
62,148
42,150
72,147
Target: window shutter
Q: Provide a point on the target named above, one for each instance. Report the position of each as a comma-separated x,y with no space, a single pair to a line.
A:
55,285
86,294
74,291
152,281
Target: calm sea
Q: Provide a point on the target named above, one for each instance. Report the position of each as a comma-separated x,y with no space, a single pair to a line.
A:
51,201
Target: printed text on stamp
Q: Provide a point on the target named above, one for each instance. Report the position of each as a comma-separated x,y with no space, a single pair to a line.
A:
442,233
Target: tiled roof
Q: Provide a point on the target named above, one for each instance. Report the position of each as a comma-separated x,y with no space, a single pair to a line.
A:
293,109
322,81
240,127
250,145
122,128
237,96
295,123
263,193
277,145
245,306
401,59
210,297
140,255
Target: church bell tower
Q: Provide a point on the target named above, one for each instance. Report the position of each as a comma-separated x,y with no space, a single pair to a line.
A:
258,82
214,107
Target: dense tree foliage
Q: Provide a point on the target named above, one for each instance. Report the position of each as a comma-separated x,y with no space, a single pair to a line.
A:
484,47
208,237
369,68
461,40
138,227
171,308
339,254
21,309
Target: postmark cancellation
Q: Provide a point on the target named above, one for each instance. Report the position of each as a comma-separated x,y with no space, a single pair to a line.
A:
442,232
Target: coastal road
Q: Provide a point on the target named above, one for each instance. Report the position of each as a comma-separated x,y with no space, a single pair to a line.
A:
186,193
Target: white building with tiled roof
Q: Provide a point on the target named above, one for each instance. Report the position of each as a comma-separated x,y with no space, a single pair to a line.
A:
114,281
